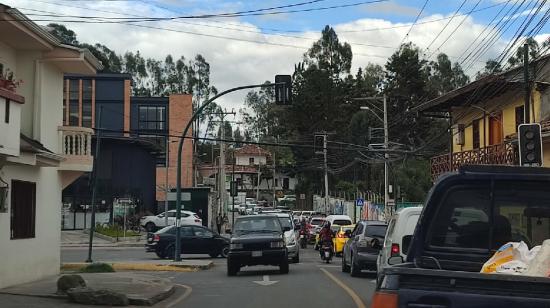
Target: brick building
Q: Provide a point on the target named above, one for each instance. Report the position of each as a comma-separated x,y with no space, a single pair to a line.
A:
132,160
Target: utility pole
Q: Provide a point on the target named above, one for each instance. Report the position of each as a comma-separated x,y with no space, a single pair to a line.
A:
273,182
94,187
326,172
386,155
167,153
527,118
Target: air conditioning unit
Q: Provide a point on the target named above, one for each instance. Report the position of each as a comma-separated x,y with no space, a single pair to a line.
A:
458,133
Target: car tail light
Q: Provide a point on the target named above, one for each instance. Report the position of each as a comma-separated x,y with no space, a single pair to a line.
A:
384,300
156,238
394,249
198,220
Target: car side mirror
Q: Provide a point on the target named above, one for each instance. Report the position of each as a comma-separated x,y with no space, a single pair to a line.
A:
285,229
395,260
347,233
406,242
228,231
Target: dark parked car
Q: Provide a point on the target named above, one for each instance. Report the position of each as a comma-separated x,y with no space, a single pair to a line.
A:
257,240
362,249
194,240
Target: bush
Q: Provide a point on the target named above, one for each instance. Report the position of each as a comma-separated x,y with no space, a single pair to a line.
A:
98,268
113,230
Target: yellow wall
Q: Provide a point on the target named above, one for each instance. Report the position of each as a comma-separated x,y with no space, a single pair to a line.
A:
506,103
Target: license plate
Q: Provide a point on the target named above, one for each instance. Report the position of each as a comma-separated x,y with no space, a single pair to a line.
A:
302,236
256,253
327,254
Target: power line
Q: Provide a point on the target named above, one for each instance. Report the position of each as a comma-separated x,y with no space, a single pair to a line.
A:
258,12
415,20
446,25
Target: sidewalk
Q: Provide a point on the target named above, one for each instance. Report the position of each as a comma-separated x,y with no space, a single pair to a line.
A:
142,290
79,238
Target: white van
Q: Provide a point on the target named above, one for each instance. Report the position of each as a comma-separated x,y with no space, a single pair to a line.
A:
340,220
399,235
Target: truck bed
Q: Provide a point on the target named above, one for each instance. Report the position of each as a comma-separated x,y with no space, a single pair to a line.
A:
417,287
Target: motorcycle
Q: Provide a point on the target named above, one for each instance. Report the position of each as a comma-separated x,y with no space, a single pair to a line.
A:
303,239
326,252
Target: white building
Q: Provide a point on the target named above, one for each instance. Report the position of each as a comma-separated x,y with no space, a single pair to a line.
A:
38,156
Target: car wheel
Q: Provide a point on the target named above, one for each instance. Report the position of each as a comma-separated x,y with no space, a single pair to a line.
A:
225,252
170,252
161,254
345,267
150,227
296,259
354,270
283,267
232,268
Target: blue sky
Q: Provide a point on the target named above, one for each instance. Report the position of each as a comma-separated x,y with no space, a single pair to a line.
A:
241,50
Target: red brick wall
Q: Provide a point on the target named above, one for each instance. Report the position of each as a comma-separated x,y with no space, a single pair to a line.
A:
179,113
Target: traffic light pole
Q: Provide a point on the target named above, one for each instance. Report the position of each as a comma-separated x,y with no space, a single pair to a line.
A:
526,81
177,251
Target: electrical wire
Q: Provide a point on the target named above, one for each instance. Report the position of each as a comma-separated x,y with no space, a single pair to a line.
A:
415,20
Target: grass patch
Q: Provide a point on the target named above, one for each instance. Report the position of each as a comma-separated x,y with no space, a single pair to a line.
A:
114,231
98,268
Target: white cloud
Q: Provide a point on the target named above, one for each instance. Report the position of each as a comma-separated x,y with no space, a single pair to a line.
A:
391,7
235,63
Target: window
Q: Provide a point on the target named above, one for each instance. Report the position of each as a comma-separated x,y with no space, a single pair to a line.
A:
286,183
475,134
65,98
160,142
7,112
23,209
342,222
463,219
87,103
251,161
202,232
186,231
73,102
152,118
276,182
520,116
376,231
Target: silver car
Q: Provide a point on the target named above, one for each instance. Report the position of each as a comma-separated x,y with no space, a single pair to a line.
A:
291,236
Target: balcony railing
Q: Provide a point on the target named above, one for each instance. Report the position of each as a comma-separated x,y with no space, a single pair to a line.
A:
76,147
499,154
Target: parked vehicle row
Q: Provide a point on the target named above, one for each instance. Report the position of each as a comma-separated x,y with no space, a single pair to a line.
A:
154,222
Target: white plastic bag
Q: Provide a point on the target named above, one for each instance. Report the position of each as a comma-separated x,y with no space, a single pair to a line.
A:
512,251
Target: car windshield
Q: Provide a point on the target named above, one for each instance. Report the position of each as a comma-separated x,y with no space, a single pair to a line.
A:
285,222
342,222
257,224
377,230
169,229
317,222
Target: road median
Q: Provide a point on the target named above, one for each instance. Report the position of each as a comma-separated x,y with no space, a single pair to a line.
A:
160,266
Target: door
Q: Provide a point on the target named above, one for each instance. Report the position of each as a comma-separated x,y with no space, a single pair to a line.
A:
171,218
204,241
187,240
495,129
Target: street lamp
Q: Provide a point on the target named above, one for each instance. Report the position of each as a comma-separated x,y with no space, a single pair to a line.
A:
386,140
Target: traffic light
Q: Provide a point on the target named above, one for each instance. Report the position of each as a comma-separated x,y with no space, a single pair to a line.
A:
319,143
283,89
530,145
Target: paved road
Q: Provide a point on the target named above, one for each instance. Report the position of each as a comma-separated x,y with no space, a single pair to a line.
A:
310,283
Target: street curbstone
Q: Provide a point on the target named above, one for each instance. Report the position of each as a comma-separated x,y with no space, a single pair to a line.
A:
152,267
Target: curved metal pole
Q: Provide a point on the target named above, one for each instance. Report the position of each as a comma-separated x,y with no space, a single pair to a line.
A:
177,250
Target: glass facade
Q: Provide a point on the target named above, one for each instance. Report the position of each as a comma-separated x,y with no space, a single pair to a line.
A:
73,102
152,117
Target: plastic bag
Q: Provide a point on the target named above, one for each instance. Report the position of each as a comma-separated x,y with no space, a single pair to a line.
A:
540,264
512,251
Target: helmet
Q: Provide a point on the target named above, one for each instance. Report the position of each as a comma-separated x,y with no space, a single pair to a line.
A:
327,224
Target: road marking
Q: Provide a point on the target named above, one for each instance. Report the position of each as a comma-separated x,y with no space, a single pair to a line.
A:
358,302
266,281
328,266
179,299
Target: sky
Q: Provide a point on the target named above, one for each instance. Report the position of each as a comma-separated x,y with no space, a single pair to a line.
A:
252,49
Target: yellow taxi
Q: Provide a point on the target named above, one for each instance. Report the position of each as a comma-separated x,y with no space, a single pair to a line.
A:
339,239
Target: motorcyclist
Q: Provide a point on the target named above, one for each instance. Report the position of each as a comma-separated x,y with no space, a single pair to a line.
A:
325,237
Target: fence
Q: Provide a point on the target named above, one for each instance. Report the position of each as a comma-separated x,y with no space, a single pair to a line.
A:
373,208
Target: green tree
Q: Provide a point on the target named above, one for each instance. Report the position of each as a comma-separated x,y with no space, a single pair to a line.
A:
491,67
534,52
66,36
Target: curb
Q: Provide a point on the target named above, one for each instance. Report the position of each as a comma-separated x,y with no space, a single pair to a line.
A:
151,267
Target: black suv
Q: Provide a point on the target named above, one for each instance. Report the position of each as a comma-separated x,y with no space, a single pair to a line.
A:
364,244
257,240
